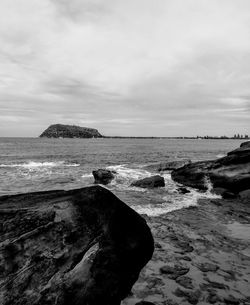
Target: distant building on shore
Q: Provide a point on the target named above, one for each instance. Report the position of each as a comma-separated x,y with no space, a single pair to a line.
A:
236,136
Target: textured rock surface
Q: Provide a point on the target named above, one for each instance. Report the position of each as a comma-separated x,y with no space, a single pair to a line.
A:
103,176
163,166
217,269
70,131
231,172
150,182
70,247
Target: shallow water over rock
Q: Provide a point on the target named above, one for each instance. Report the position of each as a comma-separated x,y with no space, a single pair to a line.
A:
239,230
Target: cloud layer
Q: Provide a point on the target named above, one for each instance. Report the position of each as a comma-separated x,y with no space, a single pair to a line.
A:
136,67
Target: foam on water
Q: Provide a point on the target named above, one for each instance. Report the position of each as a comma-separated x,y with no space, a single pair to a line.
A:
171,198
172,203
87,175
164,200
127,175
220,156
34,164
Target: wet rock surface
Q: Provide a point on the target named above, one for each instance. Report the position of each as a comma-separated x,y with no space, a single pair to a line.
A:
103,176
231,172
199,260
70,247
167,166
183,190
150,182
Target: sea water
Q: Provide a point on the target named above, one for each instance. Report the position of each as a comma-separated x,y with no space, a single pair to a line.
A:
39,164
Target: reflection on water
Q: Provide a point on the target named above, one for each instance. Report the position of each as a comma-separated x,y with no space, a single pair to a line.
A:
239,230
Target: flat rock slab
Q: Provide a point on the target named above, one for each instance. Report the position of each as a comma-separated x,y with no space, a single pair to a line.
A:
166,166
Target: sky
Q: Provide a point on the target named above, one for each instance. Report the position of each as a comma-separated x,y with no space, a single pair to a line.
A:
129,68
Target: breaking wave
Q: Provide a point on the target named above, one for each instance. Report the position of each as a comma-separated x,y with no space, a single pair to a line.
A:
220,156
34,164
126,175
172,199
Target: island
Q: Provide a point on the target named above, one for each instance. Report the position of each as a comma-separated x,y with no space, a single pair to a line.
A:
70,131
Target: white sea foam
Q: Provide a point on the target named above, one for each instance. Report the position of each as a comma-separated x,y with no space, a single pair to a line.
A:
220,156
171,198
174,200
34,164
175,203
87,175
127,175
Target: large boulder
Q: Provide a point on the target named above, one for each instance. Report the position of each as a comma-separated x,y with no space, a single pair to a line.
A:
164,166
231,172
103,176
75,247
149,182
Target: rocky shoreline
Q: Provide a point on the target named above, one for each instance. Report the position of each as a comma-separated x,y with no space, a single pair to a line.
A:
202,256
85,246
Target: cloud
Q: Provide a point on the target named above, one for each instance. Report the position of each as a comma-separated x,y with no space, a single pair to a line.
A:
138,67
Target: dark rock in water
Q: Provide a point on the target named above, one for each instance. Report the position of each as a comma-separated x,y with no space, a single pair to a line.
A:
224,193
75,247
150,182
144,303
244,148
164,166
70,131
103,176
183,190
229,195
231,172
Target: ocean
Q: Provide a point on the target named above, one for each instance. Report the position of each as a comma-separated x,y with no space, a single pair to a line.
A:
39,164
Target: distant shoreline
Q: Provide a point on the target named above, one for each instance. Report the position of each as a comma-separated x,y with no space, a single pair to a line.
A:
179,138
135,137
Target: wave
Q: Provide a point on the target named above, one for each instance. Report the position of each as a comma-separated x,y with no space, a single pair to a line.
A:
220,156
173,203
125,175
171,199
34,164
87,175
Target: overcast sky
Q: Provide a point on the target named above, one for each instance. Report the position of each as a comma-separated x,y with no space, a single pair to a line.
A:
126,67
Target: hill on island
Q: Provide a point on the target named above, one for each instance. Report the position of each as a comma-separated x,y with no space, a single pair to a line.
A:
70,131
